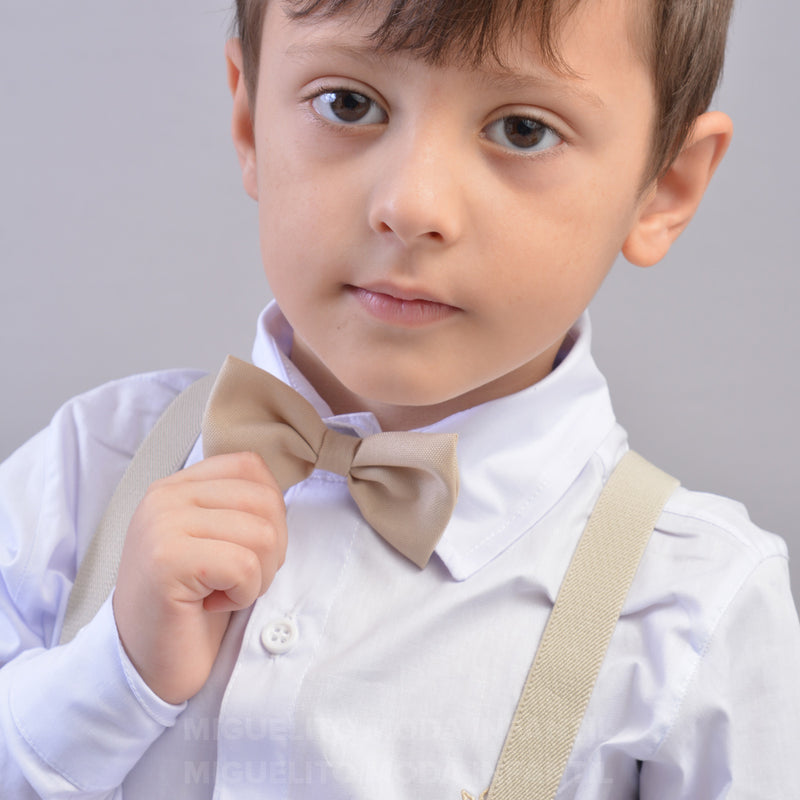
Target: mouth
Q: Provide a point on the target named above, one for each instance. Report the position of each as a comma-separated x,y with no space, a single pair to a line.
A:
395,306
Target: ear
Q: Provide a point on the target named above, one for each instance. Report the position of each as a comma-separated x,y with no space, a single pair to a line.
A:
242,123
669,205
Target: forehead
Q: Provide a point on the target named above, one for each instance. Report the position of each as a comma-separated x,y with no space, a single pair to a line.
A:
470,33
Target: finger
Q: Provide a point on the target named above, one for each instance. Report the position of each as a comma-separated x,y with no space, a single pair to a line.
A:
219,602
265,537
224,568
245,465
230,493
167,535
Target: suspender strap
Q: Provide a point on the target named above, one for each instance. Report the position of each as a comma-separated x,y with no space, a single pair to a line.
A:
163,452
577,635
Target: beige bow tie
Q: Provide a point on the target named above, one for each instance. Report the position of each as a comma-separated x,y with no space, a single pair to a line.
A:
405,484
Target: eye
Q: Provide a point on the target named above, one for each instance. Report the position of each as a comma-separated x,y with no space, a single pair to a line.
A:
346,107
523,134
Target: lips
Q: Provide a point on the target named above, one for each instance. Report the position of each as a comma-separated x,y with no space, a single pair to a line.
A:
404,307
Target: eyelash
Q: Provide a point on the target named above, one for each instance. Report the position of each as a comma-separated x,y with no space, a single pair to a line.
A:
536,122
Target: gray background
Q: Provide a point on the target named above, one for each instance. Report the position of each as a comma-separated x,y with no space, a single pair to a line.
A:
127,243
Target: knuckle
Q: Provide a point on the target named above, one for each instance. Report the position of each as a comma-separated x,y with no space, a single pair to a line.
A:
160,494
272,506
161,559
250,463
270,537
251,568
165,484
255,468
268,546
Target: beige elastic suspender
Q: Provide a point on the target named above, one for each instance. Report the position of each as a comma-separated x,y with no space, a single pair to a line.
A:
575,639
163,452
579,630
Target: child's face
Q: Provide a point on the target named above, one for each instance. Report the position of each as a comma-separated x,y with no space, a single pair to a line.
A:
431,233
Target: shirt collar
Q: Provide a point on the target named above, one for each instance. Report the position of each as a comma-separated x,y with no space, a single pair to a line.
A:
517,455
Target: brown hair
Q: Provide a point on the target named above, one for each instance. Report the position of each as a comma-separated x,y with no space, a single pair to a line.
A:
683,42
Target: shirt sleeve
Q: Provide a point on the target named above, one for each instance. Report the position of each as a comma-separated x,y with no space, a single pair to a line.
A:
737,733
81,737
74,719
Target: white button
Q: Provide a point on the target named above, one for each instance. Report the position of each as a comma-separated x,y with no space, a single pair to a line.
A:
279,636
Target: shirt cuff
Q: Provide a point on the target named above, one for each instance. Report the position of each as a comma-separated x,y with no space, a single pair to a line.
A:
85,711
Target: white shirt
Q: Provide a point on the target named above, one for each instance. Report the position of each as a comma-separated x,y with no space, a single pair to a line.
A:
357,675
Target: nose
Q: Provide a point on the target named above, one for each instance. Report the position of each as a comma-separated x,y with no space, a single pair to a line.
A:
417,195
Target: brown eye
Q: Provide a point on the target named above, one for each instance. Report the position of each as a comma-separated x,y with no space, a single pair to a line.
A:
348,107
522,134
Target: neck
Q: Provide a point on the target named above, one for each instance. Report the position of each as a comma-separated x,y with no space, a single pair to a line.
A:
394,417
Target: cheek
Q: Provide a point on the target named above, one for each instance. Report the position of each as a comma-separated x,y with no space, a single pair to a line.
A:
304,211
548,266
590,228
281,254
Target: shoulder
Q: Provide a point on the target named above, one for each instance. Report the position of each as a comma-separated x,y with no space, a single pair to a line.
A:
711,582
105,424
701,534
55,487
704,556
714,555
93,436
121,412
703,551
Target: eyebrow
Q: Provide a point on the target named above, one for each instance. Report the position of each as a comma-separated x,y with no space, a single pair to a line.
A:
304,52
498,77
509,80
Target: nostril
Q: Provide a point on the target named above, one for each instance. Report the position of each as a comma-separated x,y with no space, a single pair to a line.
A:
415,216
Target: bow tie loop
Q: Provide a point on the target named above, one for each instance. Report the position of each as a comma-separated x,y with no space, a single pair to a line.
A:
404,483
337,451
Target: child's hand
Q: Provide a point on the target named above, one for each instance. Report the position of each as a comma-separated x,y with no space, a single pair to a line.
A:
203,543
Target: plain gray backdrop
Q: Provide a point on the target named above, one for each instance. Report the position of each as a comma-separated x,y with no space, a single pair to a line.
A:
128,244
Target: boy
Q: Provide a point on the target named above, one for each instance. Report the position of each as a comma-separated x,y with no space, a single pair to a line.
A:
441,192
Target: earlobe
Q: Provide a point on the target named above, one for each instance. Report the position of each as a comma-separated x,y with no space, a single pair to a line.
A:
242,123
670,204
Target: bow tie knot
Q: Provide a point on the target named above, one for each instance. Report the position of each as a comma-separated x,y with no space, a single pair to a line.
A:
337,452
404,483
